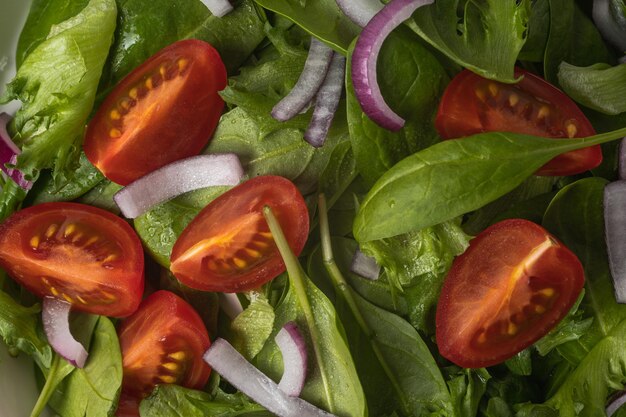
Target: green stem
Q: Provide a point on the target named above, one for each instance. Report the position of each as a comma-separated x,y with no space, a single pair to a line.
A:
333,199
344,289
298,281
48,388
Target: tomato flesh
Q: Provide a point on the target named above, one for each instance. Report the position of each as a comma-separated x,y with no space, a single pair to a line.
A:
165,110
472,104
228,247
162,343
512,285
82,254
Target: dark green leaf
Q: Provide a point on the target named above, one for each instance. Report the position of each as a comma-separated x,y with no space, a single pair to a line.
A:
467,387
600,86
521,363
538,31
102,196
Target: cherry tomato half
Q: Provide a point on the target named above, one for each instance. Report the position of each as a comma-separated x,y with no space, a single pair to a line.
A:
228,247
512,285
162,343
165,110
472,104
83,254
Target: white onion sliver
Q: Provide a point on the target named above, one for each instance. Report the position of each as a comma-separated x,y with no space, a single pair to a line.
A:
56,325
365,266
607,25
8,154
233,367
218,8
177,178
311,78
616,402
326,102
365,57
615,225
295,359
360,11
230,303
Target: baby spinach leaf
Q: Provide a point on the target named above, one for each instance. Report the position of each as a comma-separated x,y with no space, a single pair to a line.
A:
454,177
175,401
538,31
412,81
600,86
484,36
321,18
57,85
101,196
252,327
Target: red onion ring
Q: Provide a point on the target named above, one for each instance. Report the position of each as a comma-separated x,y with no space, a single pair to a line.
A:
360,11
56,325
311,78
233,367
218,8
615,403
365,266
607,24
295,359
365,57
621,160
615,232
8,154
327,102
177,178
229,302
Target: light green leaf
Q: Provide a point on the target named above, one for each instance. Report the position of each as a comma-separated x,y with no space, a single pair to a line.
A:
600,87
251,328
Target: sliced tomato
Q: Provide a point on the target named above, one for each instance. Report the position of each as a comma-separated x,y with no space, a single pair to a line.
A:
472,104
228,247
512,285
165,110
82,254
162,343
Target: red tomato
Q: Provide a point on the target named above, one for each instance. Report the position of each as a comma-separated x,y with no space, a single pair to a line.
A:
228,247
83,254
512,285
165,110
162,343
472,104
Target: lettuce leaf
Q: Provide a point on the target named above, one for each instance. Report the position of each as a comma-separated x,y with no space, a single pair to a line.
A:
600,86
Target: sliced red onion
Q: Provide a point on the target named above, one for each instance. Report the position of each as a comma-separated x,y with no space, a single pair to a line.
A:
218,8
360,11
312,77
365,58
8,154
233,367
608,25
56,325
177,178
229,302
615,231
295,359
621,163
365,266
326,102
615,403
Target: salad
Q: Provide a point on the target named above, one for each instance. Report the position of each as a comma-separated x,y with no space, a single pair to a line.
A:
329,207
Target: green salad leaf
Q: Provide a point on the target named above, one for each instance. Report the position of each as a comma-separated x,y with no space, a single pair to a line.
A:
600,86
252,327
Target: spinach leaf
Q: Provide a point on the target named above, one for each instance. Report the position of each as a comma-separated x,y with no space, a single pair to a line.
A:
321,18
333,383
484,36
454,177
412,81
252,327
93,391
467,387
175,401
57,85
538,31
600,86
102,196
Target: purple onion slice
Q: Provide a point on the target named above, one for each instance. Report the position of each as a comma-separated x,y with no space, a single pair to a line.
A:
56,325
295,359
233,367
360,11
177,178
607,24
621,164
615,230
218,8
311,78
365,58
365,266
8,154
230,304
615,403
327,102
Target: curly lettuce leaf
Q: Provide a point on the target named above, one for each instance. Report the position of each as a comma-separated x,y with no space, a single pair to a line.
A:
57,84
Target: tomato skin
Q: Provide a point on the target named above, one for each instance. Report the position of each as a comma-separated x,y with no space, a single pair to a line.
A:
512,285
472,104
80,253
228,247
165,110
162,343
